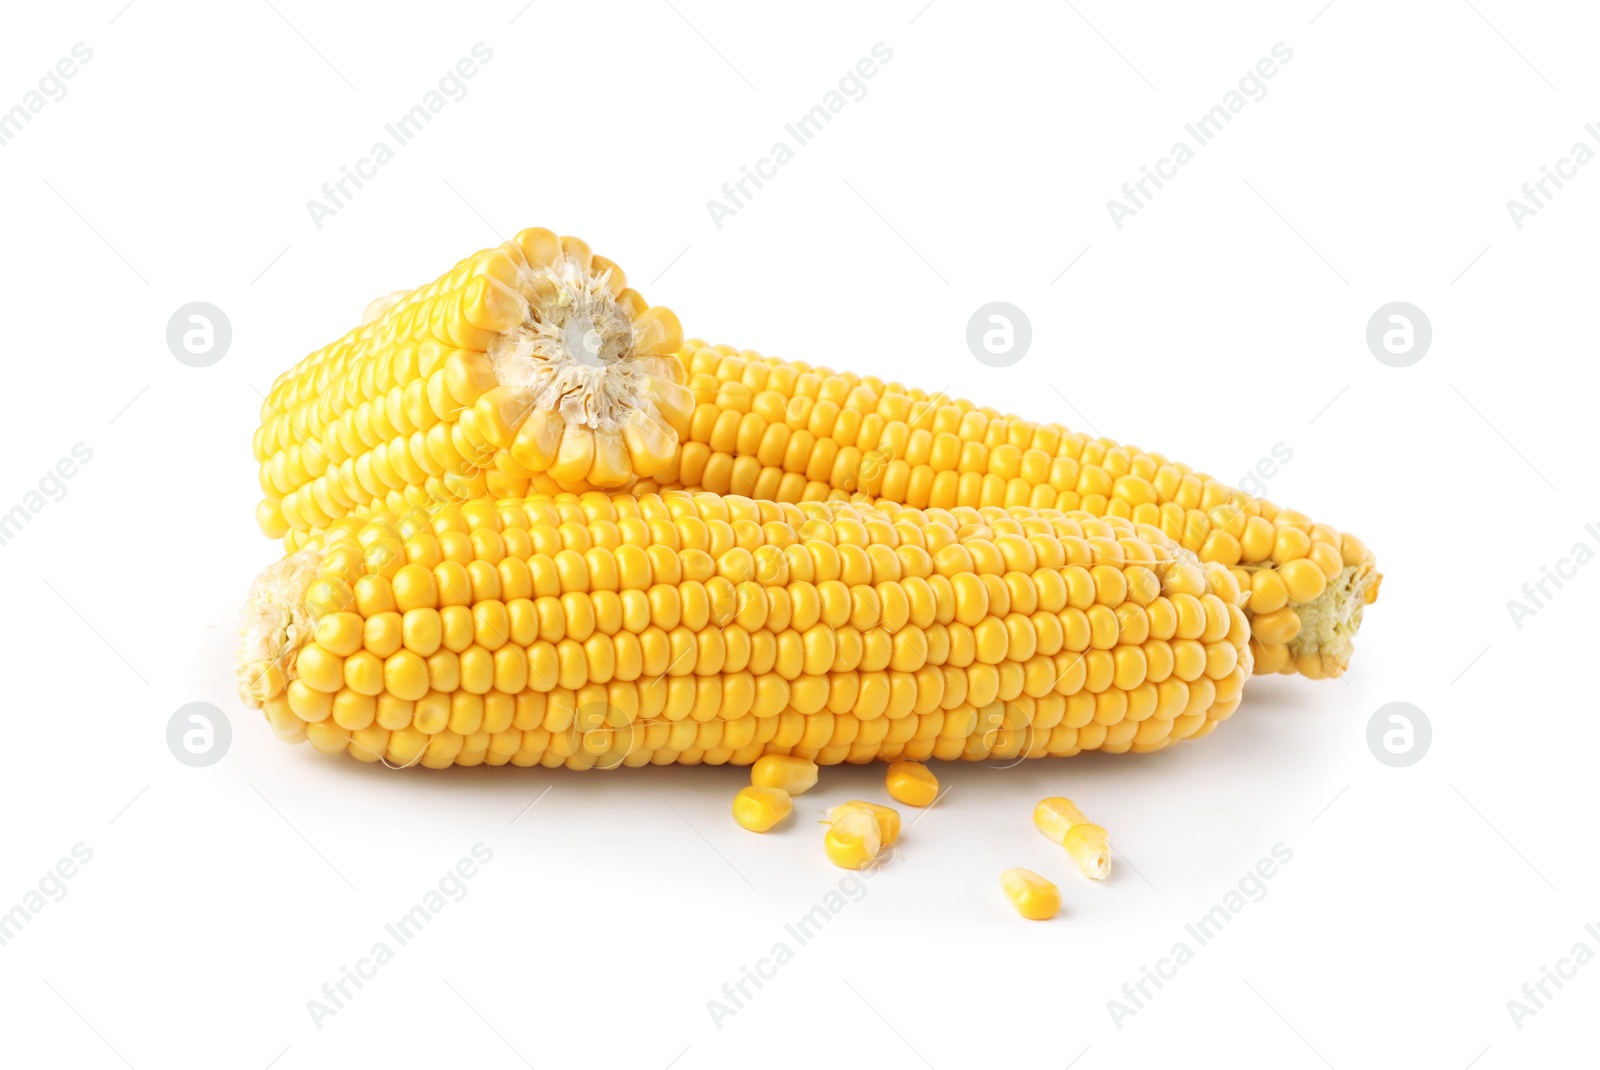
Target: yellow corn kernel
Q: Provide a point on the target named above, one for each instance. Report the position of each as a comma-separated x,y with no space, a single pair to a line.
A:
1304,579
887,817
759,808
1065,824
794,775
1034,897
853,841
912,783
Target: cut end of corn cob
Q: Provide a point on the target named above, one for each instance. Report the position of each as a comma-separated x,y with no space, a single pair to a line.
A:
530,366
589,368
1329,622
274,624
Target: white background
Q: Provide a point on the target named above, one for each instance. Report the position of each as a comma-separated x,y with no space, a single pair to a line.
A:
1226,317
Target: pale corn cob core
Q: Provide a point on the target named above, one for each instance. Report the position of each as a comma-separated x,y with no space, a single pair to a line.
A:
531,366
787,431
596,631
579,372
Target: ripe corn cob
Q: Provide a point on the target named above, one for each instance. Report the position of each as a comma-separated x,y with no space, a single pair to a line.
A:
786,431
595,631
532,368
528,365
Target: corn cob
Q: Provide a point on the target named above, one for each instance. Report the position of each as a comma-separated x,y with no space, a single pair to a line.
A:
531,365
786,431
533,368
596,631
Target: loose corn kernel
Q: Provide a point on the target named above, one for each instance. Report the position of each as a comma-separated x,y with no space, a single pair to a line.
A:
1065,824
912,783
854,840
794,775
759,808
410,406
1034,897
887,817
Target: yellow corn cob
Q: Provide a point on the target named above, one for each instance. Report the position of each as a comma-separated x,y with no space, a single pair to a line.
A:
533,368
596,631
759,809
785,431
528,365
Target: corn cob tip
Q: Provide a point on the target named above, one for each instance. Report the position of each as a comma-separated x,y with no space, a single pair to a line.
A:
273,625
589,370
1328,623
